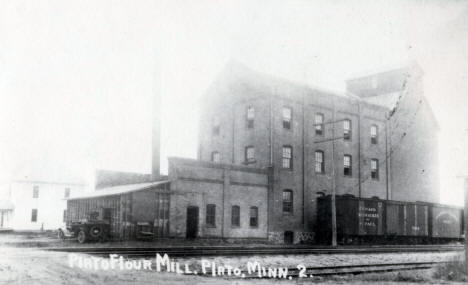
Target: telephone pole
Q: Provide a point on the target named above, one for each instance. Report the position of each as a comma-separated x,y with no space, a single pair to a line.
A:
333,197
333,182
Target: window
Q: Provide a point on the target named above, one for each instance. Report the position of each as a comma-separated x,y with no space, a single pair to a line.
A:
107,214
216,125
211,215
347,129
235,216
287,117
250,117
374,168
215,156
249,154
67,193
287,157
253,216
319,124
347,165
374,133
287,201
36,192
319,164
34,215
64,215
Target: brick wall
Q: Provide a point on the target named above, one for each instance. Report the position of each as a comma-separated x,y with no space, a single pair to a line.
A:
198,183
229,100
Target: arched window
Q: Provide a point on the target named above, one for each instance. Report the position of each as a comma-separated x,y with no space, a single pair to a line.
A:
249,154
318,124
374,168
287,117
287,157
211,215
215,125
253,217
287,201
347,165
319,162
347,129
250,117
374,134
235,216
215,156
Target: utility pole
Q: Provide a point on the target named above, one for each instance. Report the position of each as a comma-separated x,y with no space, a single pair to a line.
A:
333,176
466,220
333,197
465,212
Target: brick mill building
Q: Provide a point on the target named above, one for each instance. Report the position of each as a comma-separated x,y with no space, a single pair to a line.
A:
379,139
269,147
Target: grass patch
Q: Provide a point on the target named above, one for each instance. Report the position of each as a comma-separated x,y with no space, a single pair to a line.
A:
453,271
413,276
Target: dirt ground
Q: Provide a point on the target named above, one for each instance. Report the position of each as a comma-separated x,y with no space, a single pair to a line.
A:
49,239
36,266
33,265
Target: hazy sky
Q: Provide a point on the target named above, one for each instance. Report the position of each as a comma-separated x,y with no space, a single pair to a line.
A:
77,78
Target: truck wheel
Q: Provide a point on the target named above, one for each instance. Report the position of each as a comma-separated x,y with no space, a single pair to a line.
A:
95,232
60,234
81,236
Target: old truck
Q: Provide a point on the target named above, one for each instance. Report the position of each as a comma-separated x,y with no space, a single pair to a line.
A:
91,229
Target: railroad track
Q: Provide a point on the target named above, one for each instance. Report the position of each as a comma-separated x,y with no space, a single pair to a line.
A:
232,251
310,272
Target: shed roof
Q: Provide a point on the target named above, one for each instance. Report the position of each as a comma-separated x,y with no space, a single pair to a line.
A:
121,189
388,100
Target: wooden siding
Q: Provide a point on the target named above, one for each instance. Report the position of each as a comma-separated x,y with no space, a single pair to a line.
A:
81,209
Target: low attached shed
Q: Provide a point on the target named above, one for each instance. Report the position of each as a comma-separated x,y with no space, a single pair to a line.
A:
124,207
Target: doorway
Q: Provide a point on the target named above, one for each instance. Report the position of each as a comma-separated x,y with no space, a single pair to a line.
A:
192,222
288,237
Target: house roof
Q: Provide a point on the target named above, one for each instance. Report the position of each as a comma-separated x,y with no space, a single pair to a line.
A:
121,189
6,205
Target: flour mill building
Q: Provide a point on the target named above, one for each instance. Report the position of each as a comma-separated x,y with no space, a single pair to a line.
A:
269,147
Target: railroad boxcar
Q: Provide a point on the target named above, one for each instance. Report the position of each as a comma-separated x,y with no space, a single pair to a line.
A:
357,220
445,223
375,221
406,222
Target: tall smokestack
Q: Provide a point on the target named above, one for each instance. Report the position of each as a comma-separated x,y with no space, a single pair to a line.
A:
156,130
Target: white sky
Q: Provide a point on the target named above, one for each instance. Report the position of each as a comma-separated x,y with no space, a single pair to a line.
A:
77,78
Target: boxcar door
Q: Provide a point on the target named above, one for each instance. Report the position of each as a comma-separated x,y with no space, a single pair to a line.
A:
192,222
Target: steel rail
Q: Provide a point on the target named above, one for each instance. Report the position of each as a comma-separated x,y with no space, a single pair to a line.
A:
310,272
232,251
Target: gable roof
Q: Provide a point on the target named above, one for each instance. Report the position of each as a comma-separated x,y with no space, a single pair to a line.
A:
235,72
